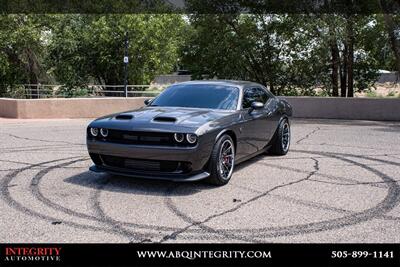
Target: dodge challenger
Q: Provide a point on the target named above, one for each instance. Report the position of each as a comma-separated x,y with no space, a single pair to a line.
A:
191,131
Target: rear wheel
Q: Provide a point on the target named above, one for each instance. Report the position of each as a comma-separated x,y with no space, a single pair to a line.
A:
281,140
222,161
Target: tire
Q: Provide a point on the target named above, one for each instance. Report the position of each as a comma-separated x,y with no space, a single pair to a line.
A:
218,174
281,140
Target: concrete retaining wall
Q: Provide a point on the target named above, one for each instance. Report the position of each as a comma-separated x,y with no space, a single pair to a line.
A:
377,109
8,108
56,108
303,107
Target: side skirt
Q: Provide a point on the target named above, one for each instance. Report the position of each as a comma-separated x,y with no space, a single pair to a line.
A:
265,149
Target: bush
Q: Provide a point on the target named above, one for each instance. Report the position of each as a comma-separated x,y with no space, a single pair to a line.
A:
70,92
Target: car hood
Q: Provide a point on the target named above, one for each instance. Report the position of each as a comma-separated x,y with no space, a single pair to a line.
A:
169,119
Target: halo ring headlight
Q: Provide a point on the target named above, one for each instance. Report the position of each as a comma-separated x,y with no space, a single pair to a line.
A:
94,132
191,138
104,132
179,137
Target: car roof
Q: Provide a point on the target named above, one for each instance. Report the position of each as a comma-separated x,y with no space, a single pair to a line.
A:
240,84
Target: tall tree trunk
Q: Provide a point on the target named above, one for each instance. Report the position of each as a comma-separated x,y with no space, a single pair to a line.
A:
33,73
335,68
343,73
394,42
335,59
350,57
272,88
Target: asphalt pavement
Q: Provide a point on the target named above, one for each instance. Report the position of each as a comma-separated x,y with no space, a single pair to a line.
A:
338,183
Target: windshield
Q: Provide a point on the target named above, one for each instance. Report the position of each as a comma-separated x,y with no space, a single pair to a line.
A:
199,96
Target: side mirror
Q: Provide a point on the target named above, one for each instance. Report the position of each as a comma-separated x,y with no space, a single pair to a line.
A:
148,102
256,105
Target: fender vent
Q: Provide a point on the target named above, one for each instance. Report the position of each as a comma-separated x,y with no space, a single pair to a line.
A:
124,117
164,119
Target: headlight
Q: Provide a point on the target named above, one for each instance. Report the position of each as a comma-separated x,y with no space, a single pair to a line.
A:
179,137
104,132
94,132
191,138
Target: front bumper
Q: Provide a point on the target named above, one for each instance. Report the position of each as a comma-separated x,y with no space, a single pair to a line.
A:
196,157
155,176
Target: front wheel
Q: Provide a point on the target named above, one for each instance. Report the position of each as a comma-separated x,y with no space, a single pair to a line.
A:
281,140
222,161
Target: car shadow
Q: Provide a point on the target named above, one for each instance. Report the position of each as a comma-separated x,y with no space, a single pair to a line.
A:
140,186
133,185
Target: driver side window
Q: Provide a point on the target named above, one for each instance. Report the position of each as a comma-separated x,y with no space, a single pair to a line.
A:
254,94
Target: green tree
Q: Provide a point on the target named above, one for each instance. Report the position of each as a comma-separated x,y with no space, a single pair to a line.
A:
247,47
292,54
90,48
22,39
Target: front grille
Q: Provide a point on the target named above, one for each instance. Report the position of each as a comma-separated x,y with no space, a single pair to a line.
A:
140,138
145,165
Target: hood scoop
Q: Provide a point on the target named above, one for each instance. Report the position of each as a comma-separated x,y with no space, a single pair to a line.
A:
165,119
124,117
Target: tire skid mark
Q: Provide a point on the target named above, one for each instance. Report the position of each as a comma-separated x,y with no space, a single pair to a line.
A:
393,156
391,200
331,177
42,140
7,198
356,183
348,146
200,224
322,157
17,162
107,220
324,207
367,157
311,204
35,146
46,201
39,168
95,203
391,218
35,189
40,150
169,203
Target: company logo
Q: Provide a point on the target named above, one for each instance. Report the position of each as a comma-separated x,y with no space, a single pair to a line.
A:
32,254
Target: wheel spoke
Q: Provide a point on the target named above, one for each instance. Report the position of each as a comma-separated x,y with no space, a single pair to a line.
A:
226,159
285,136
226,150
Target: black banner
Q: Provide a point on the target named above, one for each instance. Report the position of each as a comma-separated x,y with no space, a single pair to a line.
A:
200,6
200,254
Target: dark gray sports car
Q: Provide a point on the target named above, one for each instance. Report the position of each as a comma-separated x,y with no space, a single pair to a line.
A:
191,131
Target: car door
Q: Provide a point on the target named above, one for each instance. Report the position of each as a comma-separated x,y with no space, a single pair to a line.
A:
264,118
254,130
271,115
